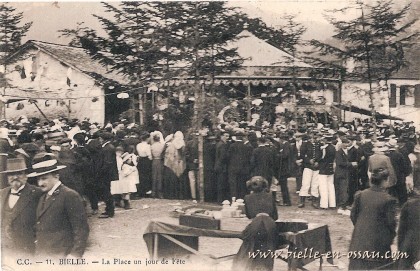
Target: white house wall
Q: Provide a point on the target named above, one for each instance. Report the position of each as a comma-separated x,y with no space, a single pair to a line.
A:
50,90
407,112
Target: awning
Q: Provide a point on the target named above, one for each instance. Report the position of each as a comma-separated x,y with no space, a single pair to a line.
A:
363,111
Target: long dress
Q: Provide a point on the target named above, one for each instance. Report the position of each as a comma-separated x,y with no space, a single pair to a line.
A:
129,179
174,181
259,235
157,168
144,167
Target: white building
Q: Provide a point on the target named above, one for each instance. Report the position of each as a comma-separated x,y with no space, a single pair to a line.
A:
400,99
50,80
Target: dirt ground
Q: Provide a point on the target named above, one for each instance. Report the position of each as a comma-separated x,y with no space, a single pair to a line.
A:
120,239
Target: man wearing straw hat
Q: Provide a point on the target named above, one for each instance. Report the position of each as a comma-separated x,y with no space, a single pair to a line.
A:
18,210
61,228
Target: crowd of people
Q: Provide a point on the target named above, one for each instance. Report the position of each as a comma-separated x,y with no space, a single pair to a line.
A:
111,163
120,161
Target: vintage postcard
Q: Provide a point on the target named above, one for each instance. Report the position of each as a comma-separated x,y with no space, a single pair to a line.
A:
210,135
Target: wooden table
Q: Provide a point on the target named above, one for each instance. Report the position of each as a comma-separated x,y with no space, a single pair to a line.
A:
168,240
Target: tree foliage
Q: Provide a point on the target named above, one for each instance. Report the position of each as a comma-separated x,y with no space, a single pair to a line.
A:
376,40
11,30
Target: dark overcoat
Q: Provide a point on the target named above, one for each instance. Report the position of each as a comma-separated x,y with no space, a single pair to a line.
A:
326,163
108,164
61,226
342,165
23,218
285,159
263,162
402,167
221,158
409,234
239,158
373,216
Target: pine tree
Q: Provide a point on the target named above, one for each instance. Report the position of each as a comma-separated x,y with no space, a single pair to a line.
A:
130,47
11,34
208,28
292,32
375,40
78,34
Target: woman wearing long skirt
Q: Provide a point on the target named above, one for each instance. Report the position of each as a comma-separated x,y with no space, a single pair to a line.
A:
174,184
157,149
261,234
144,165
373,216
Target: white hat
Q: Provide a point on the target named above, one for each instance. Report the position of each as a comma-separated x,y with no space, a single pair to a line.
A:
45,167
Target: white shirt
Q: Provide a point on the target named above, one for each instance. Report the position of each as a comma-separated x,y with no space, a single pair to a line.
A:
106,143
298,145
14,198
54,188
144,150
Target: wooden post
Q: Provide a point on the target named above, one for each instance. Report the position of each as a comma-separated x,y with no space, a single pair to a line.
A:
200,176
2,110
3,106
249,115
3,164
141,109
155,246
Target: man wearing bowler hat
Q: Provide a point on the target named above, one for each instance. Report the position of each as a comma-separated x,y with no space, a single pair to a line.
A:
61,222
107,172
18,210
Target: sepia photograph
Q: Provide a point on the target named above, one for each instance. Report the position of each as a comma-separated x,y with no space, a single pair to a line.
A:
259,135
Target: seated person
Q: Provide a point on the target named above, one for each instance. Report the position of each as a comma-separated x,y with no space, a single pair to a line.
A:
261,233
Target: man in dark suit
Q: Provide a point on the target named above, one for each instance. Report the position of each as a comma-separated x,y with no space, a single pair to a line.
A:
84,165
238,166
299,149
341,175
107,172
326,173
61,228
93,188
402,169
220,167
355,154
366,148
263,160
284,167
18,211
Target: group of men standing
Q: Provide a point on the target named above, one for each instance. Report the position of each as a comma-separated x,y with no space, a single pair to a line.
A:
329,167
44,220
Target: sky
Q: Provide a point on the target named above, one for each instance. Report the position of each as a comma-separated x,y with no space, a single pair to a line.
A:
49,17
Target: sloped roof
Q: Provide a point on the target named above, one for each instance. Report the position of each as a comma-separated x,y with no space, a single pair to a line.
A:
257,52
412,71
77,58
